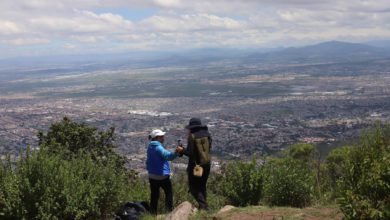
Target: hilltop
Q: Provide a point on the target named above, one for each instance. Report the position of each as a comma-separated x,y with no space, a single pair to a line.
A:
254,213
272,213
41,184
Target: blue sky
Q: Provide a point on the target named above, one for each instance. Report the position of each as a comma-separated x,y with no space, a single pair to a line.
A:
47,27
133,14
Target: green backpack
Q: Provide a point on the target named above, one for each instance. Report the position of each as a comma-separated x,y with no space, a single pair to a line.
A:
203,148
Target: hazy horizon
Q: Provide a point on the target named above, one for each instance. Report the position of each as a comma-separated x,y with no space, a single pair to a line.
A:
46,28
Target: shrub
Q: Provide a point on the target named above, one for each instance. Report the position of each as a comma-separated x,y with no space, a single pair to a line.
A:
44,186
181,190
75,175
215,197
303,151
288,182
241,183
70,138
365,183
334,167
310,156
9,194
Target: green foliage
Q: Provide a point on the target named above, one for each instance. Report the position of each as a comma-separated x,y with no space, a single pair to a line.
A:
302,151
215,197
309,155
365,182
181,190
70,138
9,194
336,160
75,175
241,183
44,186
288,182
334,168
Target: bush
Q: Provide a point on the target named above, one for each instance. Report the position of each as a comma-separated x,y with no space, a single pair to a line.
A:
69,139
44,186
9,194
181,190
75,175
310,156
365,182
241,183
334,167
304,152
288,182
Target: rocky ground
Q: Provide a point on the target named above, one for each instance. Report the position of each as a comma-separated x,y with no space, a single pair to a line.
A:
187,211
276,213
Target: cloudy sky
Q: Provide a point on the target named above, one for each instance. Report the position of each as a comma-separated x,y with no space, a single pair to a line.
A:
46,27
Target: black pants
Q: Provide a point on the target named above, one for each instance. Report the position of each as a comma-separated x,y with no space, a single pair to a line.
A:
155,185
197,186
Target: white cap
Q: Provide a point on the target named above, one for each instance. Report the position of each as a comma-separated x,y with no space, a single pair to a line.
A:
156,133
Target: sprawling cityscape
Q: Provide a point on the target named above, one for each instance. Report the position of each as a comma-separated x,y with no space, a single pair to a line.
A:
249,107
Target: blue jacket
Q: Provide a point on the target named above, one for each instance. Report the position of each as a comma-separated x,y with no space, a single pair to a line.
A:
157,159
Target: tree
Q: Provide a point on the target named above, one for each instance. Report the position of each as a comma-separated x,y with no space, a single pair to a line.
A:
309,155
75,175
303,151
71,138
335,165
365,183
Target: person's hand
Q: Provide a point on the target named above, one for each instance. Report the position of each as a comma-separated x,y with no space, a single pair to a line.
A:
179,150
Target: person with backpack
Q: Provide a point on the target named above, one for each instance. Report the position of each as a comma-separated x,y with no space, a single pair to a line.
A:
159,171
198,151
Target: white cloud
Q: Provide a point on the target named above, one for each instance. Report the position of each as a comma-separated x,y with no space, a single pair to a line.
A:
9,27
69,46
27,41
190,22
168,3
88,38
81,26
82,22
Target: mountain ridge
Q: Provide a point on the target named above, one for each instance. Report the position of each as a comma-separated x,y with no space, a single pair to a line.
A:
330,51
324,52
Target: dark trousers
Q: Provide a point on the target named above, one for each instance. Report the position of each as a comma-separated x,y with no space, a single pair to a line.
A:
197,186
155,185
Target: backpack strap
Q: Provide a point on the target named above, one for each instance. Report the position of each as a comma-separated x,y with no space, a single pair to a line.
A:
193,149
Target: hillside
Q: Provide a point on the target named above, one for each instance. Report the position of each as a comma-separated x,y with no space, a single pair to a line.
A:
326,52
271,213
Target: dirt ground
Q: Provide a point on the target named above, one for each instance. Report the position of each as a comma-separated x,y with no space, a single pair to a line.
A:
279,213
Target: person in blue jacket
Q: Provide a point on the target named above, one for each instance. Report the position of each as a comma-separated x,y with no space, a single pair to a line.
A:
159,171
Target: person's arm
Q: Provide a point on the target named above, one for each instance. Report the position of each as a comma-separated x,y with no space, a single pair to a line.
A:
190,147
166,154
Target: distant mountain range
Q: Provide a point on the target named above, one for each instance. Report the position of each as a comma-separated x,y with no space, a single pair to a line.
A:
379,43
332,51
326,52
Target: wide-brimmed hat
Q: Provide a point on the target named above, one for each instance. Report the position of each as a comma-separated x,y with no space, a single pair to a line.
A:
156,133
195,123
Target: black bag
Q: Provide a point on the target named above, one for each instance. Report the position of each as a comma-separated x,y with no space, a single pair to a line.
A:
132,211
